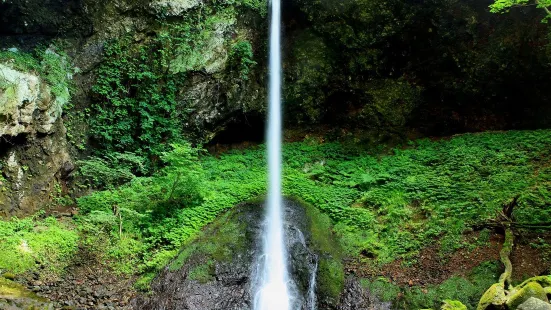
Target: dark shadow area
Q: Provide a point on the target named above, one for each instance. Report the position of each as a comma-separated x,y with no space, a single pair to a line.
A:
8,143
248,127
28,23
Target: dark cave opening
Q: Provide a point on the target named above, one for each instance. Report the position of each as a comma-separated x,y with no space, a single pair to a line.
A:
245,129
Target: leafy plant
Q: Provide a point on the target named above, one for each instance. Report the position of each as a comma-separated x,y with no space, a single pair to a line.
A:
241,56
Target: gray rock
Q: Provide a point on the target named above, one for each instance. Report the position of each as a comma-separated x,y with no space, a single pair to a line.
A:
27,104
534,304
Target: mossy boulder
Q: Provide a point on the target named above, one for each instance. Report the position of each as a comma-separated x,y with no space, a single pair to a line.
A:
494,296
220,265
522,294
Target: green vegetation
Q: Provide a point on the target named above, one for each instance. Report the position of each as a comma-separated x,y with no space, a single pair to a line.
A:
241,56
501,6
383,206
29,244
465,290
138,105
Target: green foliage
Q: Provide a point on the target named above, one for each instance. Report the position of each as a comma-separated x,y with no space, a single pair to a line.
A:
111,170
382,288
166,210
135,107
138,105
453,292
503,6
392,102
30,244
383,207
313,66
241,56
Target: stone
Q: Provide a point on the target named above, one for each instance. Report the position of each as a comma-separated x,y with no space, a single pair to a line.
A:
494,296
173,7
522,294
27,105
534,304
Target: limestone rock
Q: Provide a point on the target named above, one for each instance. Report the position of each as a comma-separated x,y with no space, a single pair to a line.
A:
27,105
534,304
173,7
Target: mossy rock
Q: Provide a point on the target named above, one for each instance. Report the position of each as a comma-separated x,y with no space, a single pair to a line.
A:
9,276
531,289
453,305
494,296
15,296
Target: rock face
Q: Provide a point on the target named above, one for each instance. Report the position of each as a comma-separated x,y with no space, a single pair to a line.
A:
33,148
27,105
218,269
14,296
173,7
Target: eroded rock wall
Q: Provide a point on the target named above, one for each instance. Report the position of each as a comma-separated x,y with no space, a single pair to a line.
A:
34,157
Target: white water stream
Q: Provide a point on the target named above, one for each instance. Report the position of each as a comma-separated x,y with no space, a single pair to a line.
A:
273,291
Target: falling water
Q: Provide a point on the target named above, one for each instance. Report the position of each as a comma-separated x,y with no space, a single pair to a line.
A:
273,292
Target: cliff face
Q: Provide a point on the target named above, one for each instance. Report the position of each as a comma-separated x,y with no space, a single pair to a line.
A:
33,147
42,136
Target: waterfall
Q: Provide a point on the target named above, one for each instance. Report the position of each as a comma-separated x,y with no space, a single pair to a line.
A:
273,292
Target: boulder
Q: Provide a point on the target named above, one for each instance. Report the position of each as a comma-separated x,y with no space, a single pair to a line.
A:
519,295
494,296
534,304
453,305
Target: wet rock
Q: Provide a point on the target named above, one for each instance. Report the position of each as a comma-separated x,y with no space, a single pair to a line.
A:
355,297
221,273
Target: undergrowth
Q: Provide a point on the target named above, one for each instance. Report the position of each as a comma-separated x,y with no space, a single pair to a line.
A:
383,207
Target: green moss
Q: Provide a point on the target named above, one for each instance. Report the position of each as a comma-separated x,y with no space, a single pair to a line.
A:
202,273
330,279
544,281
27,244
382,288
218,243
453,305
311,69
495,295
12,290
